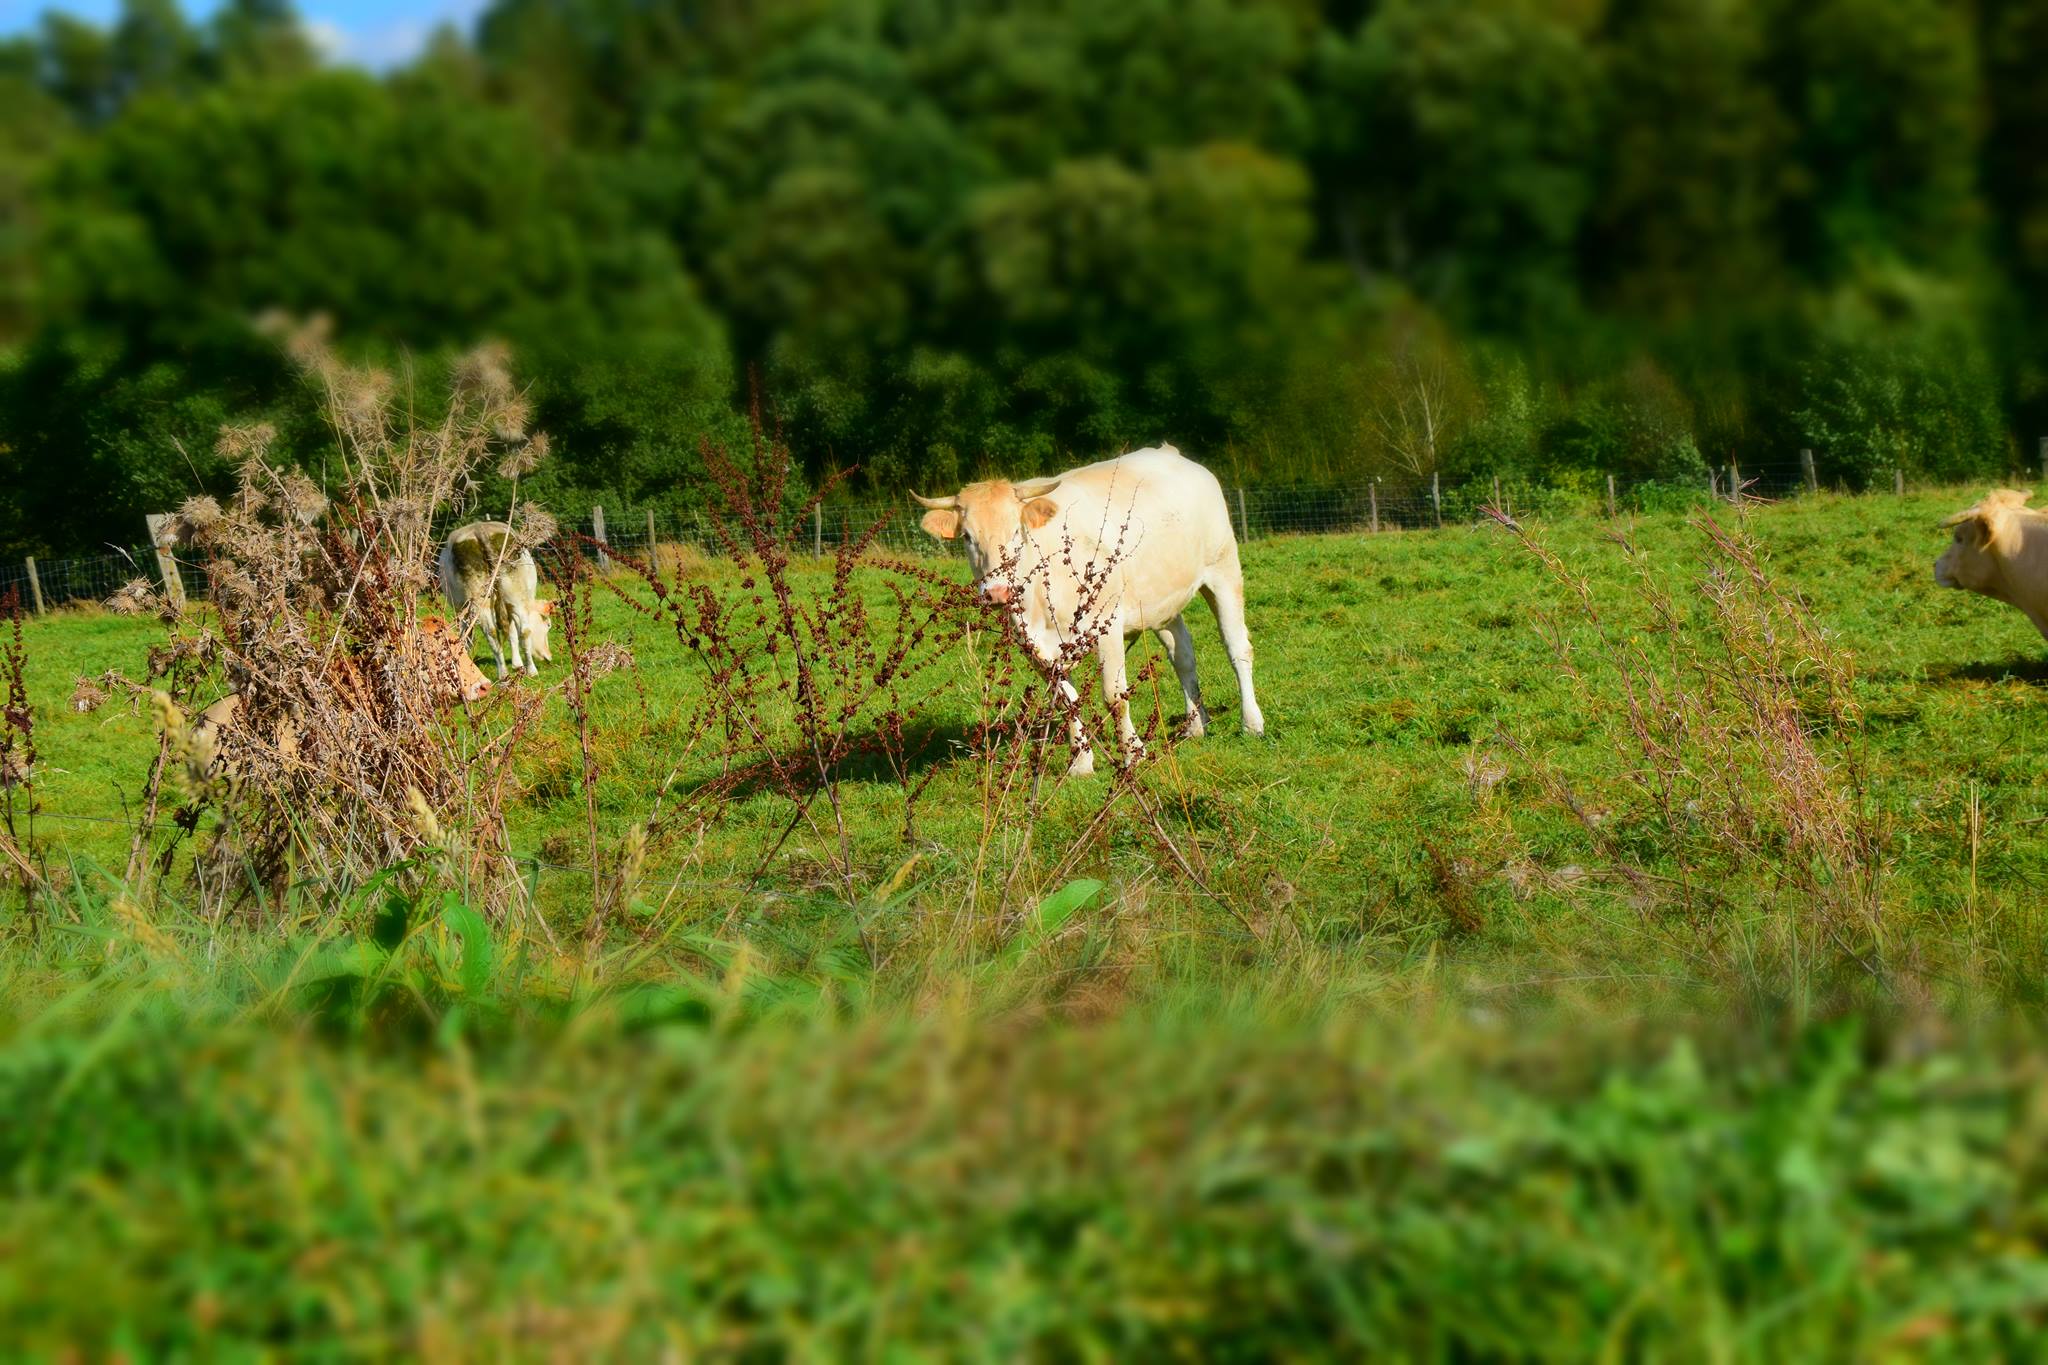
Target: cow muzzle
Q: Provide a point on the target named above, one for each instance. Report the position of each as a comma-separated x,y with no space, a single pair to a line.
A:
1002,594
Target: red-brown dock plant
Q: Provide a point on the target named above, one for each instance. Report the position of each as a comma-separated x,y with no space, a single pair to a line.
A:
1742,780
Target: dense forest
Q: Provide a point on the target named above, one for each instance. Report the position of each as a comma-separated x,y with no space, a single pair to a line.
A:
1308,242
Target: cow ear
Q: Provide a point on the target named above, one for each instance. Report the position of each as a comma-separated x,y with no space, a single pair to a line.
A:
942,523
2002,532
1039,511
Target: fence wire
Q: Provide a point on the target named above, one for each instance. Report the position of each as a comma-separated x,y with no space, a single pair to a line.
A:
1255,513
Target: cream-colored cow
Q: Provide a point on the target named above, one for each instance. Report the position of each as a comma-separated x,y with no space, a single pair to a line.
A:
2000,550
1091,556
481,564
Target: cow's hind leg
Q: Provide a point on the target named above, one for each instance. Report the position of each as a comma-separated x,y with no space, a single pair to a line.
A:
1179,644
508,626
1225,594
484,623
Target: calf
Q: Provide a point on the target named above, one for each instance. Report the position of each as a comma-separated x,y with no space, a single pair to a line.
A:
451,673
2000,550
1099,553
480,564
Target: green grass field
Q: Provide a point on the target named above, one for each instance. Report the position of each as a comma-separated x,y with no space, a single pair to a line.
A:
1410,1072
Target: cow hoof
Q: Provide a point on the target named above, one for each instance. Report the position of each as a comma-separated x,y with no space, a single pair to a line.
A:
1255,726
1132,752
1194,728
1082,766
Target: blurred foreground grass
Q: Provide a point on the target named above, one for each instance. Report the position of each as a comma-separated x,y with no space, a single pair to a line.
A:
717,1174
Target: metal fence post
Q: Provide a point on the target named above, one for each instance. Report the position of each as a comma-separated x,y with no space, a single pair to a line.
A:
166,566
1436,497
604,561
1806,468
1372,489
35,584
1610,497
1244,523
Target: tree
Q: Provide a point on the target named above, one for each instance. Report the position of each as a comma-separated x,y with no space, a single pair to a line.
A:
35,127
259,39
1885,95
1131,305
152,49
1421,399
416,221
1458,149
1694,178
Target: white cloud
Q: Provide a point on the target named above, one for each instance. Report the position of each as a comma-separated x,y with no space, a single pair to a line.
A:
329,39
381,46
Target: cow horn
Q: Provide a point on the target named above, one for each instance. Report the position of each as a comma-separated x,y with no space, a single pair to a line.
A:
1037,488
938,504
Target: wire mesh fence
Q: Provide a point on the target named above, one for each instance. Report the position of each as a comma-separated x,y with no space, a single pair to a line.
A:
1256,513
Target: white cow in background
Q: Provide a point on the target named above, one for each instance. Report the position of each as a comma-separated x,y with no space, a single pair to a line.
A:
482,564
1091,556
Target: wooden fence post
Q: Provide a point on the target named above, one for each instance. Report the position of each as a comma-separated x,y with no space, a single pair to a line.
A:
1899,482
1244,523
1806,468
1610,497
1436,497
1373,489
604,561
650,535
817,530
1714,484
35,585
2044,459
166,566
1734,483
1496,490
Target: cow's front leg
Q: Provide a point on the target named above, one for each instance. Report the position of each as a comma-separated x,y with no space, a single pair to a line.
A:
1117,689
1077,734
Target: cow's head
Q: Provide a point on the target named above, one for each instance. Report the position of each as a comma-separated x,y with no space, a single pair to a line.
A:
1985,536
533,630
990,520
448,658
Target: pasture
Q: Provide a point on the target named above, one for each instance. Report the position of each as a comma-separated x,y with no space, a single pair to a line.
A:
1416,1026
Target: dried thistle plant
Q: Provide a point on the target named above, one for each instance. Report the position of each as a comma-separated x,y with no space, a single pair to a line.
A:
338,749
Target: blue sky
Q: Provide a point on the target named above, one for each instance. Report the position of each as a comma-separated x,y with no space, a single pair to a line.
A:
375,33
